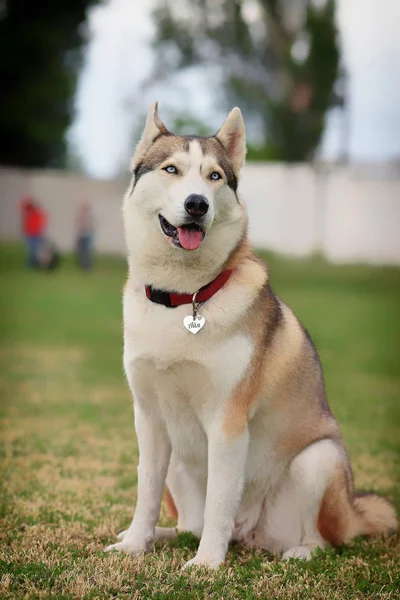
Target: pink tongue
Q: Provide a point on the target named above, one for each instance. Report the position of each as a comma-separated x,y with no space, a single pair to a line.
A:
190,239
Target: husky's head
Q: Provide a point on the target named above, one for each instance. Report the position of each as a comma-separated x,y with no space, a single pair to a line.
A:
183,217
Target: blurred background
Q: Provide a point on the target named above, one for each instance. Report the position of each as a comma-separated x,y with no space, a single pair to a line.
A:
318,83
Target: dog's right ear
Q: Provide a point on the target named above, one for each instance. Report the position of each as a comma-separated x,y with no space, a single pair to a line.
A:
153,128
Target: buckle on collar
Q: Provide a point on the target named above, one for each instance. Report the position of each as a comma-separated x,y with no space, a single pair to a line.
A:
159,296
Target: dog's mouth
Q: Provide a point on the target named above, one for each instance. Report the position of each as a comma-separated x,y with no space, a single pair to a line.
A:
187,236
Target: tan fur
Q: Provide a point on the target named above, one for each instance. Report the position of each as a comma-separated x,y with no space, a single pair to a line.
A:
161,149
248,390
343,516
166,145
284,344
335,514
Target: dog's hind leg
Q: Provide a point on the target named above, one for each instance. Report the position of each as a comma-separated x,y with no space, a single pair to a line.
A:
310,473
289,523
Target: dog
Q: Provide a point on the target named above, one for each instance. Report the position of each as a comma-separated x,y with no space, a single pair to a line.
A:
229,401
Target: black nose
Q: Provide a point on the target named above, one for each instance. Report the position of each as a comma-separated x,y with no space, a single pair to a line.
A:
196,205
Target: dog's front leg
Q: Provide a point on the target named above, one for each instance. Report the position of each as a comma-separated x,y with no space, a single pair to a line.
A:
226,462
154,457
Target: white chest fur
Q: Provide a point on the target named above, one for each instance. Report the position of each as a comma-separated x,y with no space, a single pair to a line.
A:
184,378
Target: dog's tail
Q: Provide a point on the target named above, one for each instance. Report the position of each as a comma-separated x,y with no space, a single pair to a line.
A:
372,515
171,507
344,515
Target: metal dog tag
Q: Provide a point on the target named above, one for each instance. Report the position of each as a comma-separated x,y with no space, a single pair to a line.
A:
194,323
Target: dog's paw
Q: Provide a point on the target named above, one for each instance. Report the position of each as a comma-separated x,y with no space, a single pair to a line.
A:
202,561
131,545
301,552
122,534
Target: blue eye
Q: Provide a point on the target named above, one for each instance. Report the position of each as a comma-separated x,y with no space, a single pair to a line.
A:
171,169
215,176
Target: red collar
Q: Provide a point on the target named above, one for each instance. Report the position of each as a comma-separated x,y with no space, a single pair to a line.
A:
173,299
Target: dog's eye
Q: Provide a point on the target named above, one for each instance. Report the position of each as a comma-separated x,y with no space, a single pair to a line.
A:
171,169
215,176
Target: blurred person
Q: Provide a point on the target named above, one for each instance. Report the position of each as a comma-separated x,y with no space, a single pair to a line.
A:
34,223
84,237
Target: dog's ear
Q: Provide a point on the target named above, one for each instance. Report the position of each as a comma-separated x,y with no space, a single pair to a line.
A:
233,138
153,128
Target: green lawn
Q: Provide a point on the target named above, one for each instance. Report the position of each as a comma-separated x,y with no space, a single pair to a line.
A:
69,453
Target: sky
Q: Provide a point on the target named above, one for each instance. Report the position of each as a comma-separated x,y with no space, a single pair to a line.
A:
110,107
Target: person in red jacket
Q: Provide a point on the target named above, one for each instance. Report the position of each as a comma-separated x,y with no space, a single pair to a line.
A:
34,221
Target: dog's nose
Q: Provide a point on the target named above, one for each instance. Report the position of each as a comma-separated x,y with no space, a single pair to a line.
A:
196,205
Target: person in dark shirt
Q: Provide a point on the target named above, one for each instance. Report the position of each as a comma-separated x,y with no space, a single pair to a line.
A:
84,236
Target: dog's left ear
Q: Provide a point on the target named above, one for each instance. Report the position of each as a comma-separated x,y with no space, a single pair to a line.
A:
153,128
233,138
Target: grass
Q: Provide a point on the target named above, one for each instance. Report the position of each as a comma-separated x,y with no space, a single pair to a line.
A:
69,455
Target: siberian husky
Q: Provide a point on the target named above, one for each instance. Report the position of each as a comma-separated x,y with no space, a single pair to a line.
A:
230,407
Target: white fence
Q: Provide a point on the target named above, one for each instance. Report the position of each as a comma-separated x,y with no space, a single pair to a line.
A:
349,214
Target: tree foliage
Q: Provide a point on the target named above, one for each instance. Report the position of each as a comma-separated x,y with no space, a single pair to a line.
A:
279,59
39,56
